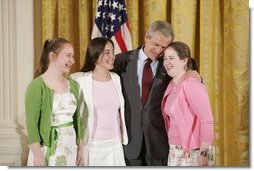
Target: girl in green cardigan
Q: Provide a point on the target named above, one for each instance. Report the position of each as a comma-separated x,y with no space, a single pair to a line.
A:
54,106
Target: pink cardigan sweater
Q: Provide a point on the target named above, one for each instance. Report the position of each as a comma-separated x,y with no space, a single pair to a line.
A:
192,111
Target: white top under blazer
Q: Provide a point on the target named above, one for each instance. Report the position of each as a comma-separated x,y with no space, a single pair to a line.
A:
85,82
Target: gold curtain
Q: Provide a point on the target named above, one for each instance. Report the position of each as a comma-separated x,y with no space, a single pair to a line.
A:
217,32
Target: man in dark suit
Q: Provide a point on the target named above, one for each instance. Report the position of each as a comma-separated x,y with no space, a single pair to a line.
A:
148,142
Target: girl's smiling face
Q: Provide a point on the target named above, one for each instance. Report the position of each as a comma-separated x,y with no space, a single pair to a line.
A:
174,66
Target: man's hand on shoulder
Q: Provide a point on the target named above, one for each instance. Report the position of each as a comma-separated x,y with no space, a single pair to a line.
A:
194,74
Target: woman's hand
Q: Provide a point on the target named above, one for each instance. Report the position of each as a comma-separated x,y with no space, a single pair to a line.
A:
205,150
39,160
202,160
79,160
38,157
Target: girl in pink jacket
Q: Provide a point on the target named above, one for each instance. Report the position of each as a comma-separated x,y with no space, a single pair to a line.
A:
186,111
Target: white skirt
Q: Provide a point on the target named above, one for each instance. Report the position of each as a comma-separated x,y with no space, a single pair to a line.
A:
104,153
65,152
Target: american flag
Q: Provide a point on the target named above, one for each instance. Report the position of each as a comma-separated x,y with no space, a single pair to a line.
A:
112,22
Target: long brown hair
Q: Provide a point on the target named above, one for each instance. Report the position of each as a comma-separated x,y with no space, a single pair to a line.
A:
50,45
95,48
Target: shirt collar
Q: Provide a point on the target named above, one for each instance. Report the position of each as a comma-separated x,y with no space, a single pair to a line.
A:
142,55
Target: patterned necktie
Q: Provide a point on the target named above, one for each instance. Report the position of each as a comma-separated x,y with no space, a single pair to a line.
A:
147,80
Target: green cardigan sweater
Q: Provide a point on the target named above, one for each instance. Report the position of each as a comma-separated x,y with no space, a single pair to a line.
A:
38,106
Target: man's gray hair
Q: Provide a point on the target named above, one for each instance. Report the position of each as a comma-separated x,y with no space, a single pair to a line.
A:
162,26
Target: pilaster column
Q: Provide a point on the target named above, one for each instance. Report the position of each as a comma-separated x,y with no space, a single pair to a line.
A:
10,145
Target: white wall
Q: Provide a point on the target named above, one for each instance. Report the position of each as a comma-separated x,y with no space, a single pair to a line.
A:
16,71
25,62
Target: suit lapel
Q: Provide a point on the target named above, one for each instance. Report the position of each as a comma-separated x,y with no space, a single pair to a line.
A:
131,72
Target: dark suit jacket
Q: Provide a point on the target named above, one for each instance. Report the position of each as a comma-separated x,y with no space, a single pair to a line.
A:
143,120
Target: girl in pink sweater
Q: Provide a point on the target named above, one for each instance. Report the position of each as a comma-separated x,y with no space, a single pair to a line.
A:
186,111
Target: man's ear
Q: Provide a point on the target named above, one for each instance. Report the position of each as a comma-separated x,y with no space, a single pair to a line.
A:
147,36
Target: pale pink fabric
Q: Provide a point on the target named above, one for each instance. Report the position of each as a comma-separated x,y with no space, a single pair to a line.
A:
188,102
106,111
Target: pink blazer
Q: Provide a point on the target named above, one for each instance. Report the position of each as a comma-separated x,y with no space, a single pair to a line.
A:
192,111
